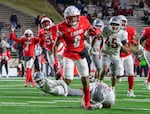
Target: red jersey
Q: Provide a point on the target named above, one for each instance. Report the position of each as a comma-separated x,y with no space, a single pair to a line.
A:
73,37
131,33
5,55
48,37
28,44
146,36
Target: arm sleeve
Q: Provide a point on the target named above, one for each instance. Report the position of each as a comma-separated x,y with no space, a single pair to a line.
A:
13,37
142,40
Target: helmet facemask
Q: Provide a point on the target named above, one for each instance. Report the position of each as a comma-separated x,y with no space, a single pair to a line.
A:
98,23
71,15
28,34
115,27
40,82
46,25
39,79
72,20
115,24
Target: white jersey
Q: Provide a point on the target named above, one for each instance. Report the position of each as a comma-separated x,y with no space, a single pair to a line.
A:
113,43
100,92
38,50
96,49
55,87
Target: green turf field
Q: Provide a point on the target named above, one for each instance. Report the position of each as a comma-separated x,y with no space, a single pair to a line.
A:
16,99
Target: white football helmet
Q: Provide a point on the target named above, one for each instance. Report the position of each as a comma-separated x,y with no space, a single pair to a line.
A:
98,23
39,78
28,33
115,24
46,23
97,93
124,21
71,15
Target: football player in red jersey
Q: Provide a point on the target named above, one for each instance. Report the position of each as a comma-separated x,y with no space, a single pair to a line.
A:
47,34
145,42
127,58
28,41
72,31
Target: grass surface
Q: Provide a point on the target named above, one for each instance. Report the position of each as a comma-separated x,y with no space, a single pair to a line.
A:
16,99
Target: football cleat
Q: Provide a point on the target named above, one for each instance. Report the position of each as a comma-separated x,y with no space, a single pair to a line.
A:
130,94
88,108
147,85
97,106
91,78
25,85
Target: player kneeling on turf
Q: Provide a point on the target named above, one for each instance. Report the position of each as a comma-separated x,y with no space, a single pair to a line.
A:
102,96
101,93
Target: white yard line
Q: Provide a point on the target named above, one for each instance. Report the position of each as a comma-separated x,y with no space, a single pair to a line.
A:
50,98
11,104
133,99
135,109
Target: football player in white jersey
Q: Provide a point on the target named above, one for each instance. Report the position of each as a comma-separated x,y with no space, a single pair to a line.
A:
102,96
115,40
54,87
96,46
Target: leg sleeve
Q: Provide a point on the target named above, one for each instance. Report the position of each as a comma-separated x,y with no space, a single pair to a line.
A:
74,92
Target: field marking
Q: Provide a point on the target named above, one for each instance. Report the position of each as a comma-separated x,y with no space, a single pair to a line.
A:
6,104
12,80
33,97
37,105
54,101
17,88
37,102
41,102
134,109
133,99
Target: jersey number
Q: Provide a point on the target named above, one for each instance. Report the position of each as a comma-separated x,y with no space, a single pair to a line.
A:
77,40
112,43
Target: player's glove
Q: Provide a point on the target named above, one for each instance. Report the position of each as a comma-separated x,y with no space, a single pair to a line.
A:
94,31
55,65
134,42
